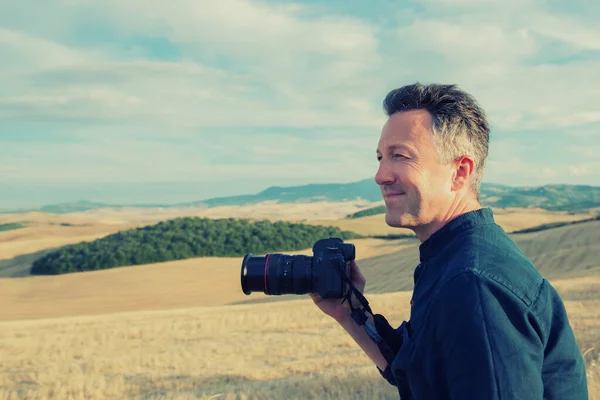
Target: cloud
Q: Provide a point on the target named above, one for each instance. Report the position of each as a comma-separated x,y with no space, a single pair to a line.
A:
92,155
21,51
245,29
519,171
466,43
529,69
586,132
579,169
591,152
247,63
541,157
547,172
540,97
243,63
237,89
178,95
567,30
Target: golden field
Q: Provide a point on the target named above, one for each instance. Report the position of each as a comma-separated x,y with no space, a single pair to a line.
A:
48,230
45,231
174,331
205,281
275,350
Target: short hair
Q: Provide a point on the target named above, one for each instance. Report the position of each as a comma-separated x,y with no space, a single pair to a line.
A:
460,125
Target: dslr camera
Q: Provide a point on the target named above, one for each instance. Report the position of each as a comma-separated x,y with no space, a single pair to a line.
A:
325,273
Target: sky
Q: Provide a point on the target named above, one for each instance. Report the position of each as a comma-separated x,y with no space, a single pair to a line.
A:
130,101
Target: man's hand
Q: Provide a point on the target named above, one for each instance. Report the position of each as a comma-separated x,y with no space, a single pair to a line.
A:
342,314
334,307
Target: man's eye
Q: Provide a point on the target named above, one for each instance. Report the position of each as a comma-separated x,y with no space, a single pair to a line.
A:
395,155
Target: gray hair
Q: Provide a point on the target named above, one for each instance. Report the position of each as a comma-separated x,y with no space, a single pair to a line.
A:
460,126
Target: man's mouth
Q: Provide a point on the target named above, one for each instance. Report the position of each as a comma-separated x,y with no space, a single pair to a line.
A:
393,194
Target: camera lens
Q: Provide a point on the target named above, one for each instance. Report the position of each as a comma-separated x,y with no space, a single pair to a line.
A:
252,273
276,274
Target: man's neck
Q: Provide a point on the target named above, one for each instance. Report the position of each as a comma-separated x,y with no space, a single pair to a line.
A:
457,208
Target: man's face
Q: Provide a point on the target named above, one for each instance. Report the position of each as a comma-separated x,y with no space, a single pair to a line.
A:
415,186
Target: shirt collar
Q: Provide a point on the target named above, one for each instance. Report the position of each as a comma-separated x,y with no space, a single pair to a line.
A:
441,237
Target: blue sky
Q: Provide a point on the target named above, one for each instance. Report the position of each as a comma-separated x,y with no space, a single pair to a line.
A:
129,101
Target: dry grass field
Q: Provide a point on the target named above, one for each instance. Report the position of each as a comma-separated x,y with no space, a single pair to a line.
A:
177,330
211,281
510,219
45,231
267,351
205,281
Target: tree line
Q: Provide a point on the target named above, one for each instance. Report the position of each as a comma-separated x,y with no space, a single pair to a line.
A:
11,226
183,238
367,212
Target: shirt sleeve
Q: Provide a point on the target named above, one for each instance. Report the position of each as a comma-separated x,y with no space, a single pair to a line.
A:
490,343
389,345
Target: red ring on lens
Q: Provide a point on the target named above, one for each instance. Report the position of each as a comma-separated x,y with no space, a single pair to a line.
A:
265,274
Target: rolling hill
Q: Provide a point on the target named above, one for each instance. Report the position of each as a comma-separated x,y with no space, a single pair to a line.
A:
47,233
184,238
568,251
173,329
549,197
557,253
564,252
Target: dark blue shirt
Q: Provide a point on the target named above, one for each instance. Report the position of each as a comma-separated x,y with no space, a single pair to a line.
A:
484,324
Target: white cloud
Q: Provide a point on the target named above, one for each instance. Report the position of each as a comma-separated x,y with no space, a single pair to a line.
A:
269,44
282,69
249,64
285,70
471,42
91,155
250,29
541,97
519,171
585,132
21,51
591,151
548,172
579,169
469,4
567,30
508,64
177,95
169,167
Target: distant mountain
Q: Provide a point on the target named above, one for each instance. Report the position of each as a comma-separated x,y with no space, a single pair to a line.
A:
550,197
84,205
365,189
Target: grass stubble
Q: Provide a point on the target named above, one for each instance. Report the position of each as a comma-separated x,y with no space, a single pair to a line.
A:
200,349
253,351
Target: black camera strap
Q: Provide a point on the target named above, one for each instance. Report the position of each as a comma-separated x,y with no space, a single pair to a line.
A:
359,315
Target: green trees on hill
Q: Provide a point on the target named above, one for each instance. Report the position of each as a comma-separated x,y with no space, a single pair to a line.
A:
369,211
11,226
183,238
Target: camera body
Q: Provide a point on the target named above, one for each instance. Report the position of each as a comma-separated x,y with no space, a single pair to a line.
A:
328,256
322,274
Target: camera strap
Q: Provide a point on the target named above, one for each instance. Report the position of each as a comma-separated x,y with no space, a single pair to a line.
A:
359,315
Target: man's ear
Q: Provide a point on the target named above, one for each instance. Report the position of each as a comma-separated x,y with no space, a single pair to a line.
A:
463,170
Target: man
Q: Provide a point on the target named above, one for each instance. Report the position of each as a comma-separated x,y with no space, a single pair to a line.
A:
483,324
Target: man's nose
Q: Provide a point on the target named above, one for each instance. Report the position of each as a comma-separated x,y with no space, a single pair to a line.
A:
384,175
